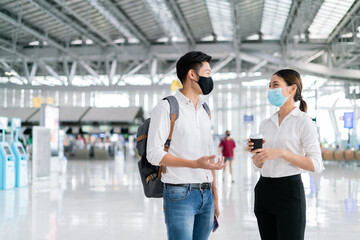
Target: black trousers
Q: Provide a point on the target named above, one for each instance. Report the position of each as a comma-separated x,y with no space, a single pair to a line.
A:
280,208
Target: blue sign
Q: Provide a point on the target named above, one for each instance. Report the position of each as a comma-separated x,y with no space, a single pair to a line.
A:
248,118
349,120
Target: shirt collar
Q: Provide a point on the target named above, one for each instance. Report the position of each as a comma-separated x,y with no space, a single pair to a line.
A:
295,112
275,117
184,99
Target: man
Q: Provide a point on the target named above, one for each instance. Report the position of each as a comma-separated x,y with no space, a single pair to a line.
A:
190,196
227,146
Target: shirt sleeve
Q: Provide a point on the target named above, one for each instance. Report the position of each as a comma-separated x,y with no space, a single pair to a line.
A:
211,146
221,143
159,130
309,139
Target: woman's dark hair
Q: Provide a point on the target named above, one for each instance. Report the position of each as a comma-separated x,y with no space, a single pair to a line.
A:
191,60
292,77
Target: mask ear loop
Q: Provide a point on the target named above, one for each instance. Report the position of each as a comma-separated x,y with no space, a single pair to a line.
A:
197,75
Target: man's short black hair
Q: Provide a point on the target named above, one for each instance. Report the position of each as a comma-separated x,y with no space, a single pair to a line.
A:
191,60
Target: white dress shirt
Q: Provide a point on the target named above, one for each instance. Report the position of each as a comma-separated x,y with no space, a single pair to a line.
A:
297,134
191,139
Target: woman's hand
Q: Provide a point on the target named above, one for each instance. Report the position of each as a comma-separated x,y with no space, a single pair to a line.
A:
263,154
250,144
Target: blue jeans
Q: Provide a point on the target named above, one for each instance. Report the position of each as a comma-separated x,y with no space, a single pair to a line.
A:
189,213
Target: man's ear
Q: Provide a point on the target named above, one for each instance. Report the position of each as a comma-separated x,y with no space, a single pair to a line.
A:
191,74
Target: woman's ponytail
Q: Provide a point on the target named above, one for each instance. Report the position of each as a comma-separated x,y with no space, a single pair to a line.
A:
303,105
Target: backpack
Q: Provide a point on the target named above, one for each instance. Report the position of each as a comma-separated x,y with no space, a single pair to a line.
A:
151,175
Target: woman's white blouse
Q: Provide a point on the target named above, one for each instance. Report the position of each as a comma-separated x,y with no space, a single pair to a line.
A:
297,134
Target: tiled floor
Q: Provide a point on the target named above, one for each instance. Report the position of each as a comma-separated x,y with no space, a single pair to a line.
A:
104,200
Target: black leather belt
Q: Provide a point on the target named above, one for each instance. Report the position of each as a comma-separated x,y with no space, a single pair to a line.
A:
201,186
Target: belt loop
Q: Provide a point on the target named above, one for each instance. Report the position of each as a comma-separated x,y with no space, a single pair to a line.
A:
190,187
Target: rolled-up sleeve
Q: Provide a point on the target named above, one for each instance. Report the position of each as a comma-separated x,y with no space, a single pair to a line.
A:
310,141
158,132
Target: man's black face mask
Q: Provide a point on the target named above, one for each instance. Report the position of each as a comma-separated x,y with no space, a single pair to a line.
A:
206,84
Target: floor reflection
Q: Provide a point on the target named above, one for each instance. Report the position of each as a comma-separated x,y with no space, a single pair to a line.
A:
104,200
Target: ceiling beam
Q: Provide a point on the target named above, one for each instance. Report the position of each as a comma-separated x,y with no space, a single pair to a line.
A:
310,68
181,21
117,18
52,42
51,9
137,68
26,70
345,21
155,87
170,71
72,72
222,63
314,56
31,31
88,24
236,36
138,53
12,71
153,70
258,66
51,71
295,8
349,61
112,72
91,71
33,72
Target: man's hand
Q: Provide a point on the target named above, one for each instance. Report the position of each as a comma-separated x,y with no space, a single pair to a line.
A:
204,163
216,206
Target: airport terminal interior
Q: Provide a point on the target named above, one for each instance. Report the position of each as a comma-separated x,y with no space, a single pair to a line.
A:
78,78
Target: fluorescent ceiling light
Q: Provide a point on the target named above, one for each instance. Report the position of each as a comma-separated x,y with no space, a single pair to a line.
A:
76,42
120,40
328,17
34,43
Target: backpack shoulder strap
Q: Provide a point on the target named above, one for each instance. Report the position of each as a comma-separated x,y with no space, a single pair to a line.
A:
207,109
174,114
174,106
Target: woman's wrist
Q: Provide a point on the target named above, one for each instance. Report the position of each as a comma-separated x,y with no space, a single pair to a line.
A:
282,153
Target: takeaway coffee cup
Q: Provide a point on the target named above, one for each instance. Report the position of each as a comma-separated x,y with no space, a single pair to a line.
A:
257,139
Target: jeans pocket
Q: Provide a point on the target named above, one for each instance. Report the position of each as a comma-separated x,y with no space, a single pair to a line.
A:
176,194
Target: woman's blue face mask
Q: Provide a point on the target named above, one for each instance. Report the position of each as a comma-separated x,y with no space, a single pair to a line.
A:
276,97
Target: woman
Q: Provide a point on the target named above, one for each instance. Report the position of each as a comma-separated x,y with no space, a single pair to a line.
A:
290,146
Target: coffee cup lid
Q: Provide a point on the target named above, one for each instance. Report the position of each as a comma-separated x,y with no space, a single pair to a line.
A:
256,136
